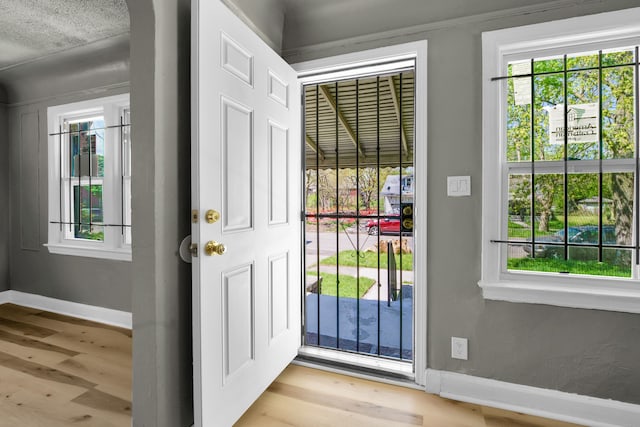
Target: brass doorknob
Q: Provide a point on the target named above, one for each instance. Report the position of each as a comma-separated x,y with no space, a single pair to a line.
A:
214,248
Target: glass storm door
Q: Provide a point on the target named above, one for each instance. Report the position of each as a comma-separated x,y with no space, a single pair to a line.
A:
358,189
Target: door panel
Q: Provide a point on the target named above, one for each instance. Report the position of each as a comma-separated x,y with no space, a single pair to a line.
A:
237,172
238,321
278,89
279,290
246,302
236,60
278,176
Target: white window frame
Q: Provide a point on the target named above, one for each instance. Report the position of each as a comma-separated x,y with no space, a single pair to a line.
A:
593,32
115,245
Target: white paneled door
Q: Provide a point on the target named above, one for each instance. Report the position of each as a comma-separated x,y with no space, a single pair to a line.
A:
246,166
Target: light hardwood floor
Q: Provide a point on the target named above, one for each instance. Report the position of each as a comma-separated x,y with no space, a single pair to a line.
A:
59,371
311,398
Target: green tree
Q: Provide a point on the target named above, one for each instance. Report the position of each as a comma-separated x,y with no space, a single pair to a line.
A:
615,88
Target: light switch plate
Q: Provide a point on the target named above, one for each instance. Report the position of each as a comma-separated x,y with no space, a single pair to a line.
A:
458,186
459,348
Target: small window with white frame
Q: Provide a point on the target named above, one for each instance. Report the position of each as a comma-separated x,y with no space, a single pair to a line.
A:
89,161
561,161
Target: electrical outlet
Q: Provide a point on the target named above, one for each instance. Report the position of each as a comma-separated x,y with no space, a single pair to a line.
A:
459,348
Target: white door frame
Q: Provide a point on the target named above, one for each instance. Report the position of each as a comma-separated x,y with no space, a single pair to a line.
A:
351,64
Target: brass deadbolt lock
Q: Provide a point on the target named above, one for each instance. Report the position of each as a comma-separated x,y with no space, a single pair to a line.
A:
212,216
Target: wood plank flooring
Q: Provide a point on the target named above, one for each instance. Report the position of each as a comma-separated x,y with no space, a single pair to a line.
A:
58,371
311,398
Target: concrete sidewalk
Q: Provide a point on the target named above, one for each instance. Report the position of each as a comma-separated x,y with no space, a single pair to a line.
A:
372,273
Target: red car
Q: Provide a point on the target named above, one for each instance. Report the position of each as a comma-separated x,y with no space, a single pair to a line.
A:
384,226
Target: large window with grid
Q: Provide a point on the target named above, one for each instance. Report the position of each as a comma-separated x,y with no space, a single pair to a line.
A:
90,178
561,162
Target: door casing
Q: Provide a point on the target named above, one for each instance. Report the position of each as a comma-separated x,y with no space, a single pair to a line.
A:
351,65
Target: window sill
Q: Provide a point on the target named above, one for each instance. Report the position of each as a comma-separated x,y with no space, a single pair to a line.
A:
90,252
621,299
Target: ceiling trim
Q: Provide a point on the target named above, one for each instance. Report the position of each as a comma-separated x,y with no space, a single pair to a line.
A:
114,88
99,42
297,54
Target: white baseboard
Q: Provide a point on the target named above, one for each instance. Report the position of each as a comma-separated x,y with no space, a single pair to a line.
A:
108,316
4,297
536,401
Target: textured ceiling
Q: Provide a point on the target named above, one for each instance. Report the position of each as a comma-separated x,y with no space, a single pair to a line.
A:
31,29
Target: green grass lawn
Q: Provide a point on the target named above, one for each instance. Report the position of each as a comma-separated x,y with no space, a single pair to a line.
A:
368,259
519,232
551,265
524,232
348,285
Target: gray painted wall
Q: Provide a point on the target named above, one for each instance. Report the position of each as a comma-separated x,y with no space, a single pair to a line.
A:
265,17
590,352
309,22
4,196
94,71
162,355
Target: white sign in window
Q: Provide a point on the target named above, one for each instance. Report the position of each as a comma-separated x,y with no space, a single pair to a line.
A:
522,85
582,119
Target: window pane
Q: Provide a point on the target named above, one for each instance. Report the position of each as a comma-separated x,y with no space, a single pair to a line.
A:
582,115
618,207
126,173
617,113
617,263
547,65
127,211
126,145
618,57
583,207
549,102
519,227
583,225
88,212
581,61
518,119
549,213
86,145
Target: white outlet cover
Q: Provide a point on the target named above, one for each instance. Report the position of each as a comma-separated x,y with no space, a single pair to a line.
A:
459,348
